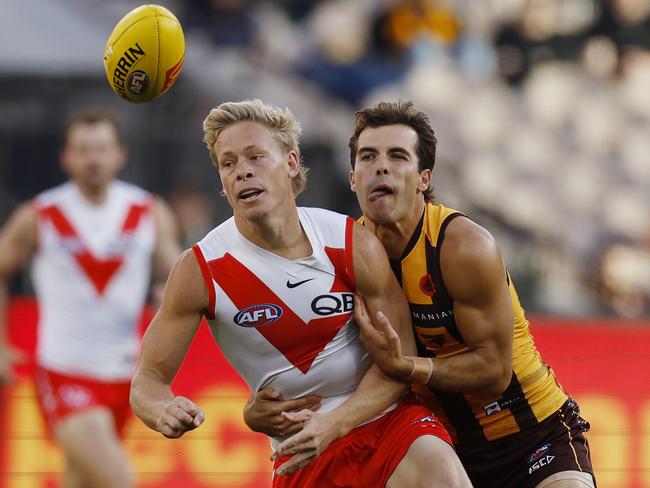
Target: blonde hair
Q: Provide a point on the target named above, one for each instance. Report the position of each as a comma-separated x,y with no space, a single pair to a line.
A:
284,128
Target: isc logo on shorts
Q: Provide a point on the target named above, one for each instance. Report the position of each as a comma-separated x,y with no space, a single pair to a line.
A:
539,458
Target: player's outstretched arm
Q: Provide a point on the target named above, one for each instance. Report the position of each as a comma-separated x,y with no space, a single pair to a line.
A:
377,284
17,246
164,347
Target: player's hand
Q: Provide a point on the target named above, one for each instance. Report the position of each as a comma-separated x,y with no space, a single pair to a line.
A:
381,341
179,416
319,431
8,357
263,412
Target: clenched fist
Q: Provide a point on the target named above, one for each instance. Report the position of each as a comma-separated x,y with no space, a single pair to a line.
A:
179,416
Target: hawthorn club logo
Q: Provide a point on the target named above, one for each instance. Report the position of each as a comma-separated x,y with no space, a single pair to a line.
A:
427,286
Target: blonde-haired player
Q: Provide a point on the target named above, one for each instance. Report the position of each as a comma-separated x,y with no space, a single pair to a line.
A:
276,283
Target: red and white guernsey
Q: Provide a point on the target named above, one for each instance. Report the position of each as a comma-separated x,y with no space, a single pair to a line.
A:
287,324
91,273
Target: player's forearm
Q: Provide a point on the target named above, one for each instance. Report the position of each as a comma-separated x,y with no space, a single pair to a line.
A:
375,393
149,396
469,372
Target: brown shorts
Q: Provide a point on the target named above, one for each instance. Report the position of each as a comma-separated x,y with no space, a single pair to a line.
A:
525,459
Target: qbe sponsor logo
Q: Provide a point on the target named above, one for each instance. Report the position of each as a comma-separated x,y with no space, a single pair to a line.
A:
324,305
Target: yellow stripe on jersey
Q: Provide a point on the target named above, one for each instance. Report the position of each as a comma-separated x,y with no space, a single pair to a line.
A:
533,394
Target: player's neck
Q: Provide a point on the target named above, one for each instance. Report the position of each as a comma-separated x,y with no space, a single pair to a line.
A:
95,195
280,234
396,235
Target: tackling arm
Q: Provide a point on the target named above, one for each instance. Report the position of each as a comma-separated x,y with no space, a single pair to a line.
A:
377,284
475,277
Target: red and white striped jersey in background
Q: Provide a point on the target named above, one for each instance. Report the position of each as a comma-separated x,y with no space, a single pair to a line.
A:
91,273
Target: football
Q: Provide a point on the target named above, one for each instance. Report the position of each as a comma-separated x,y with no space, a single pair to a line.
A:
144,53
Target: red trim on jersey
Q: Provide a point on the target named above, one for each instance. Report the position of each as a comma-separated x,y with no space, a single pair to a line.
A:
136,212
207,277
298,341
349,253
99,271
343,262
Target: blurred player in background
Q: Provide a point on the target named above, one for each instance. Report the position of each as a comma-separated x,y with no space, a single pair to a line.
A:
512,424
92,240
277,284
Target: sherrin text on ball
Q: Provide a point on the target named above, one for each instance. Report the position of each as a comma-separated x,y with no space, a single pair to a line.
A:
144,53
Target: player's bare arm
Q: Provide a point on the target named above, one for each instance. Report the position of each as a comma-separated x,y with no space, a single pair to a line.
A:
164,347
17,246
167,247
475,277
377,284
263,412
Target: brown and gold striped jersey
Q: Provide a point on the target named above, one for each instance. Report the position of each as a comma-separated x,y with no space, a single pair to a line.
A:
533,393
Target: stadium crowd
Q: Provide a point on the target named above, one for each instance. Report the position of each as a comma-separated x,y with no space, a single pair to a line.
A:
541,108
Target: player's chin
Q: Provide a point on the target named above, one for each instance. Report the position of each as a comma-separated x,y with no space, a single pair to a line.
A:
378,213
95,182
255,210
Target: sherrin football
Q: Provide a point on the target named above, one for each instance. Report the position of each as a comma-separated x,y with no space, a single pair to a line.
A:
144,53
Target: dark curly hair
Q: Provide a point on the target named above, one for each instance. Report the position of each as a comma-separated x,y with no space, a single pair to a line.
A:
390,113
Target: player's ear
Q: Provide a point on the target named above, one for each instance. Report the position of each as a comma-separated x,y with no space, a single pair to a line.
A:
351,180
425,180
294,163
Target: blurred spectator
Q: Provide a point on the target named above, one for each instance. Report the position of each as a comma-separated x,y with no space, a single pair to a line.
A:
226,22
354,51
625,281
546,30
298,10
544,103
626,23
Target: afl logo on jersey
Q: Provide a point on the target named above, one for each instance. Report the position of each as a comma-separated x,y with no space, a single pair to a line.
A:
258,315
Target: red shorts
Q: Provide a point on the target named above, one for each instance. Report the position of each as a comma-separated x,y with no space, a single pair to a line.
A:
61,395
369,454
